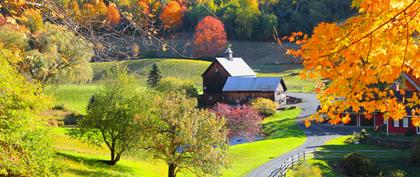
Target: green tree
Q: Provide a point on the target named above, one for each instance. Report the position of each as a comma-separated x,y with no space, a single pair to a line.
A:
171,84
154,76
25,149
112,116
185,137
246,17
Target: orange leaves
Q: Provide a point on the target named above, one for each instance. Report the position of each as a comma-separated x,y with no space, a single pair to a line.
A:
362,56
307,123
210,37
346,119
172,14
113,15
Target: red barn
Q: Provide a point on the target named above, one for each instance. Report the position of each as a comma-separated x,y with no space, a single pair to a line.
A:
230,80
393,126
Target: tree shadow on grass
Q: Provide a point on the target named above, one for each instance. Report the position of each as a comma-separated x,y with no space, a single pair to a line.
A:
94,166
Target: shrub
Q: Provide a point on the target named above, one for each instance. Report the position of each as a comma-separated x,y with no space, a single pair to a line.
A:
58,107
398,173
304,170
357,137
355,164
265,106
170,84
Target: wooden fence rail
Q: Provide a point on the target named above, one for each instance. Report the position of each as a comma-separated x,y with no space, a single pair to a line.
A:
325,154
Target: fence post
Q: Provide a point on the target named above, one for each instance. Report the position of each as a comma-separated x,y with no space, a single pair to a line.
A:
304,154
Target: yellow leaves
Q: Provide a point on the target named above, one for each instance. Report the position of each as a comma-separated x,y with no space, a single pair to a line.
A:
307,123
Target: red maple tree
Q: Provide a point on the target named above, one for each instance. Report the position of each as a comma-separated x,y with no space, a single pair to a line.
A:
242,121
210,37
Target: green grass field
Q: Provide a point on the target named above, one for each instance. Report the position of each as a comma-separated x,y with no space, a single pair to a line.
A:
386,158
81,159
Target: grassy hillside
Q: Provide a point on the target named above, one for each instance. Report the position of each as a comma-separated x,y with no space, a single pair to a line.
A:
81,159
192,70
76,97
180,68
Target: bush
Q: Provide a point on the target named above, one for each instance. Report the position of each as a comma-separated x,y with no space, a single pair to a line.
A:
355,164
357,137
304,170
265,106
170,84
58,107
398,173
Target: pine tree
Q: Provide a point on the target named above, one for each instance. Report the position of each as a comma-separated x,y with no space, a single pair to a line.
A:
154,76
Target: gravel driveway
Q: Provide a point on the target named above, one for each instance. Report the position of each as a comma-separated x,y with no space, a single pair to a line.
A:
316,136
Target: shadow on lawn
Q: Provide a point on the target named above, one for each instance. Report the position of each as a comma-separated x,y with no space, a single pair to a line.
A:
95,167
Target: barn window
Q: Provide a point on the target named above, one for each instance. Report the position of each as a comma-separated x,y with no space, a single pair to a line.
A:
396,123
405,122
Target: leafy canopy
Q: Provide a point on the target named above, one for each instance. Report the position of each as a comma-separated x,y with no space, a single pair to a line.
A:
362,57
112,116
25,149
210,37
185,137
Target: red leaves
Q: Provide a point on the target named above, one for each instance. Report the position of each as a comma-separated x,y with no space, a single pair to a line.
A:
210,37
241,121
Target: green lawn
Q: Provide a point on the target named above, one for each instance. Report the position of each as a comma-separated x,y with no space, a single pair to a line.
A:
73,97
81,159
385,158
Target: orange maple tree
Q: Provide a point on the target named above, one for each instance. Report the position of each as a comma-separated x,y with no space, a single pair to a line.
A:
361,57
172,14
210,37
113,15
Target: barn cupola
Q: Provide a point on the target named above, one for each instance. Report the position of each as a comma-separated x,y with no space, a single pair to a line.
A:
229,54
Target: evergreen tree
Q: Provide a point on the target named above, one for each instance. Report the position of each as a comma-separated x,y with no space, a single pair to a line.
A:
154,76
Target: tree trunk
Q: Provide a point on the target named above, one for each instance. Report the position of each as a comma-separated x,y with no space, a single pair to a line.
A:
113,159
171,170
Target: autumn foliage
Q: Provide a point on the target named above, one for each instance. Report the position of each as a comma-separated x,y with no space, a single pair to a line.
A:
210,37
113,15
172,14
242,121
360,58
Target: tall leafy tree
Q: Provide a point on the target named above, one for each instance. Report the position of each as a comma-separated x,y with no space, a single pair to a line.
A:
25,149
185,137
112,116
373,48
154,76
210,37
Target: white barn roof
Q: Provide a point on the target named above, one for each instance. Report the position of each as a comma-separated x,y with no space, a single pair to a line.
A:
253,84
236,67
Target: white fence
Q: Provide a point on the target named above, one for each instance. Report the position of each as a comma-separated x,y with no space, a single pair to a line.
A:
291,161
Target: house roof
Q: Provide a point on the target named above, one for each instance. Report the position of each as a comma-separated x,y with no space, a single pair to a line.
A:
236,67
253,84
